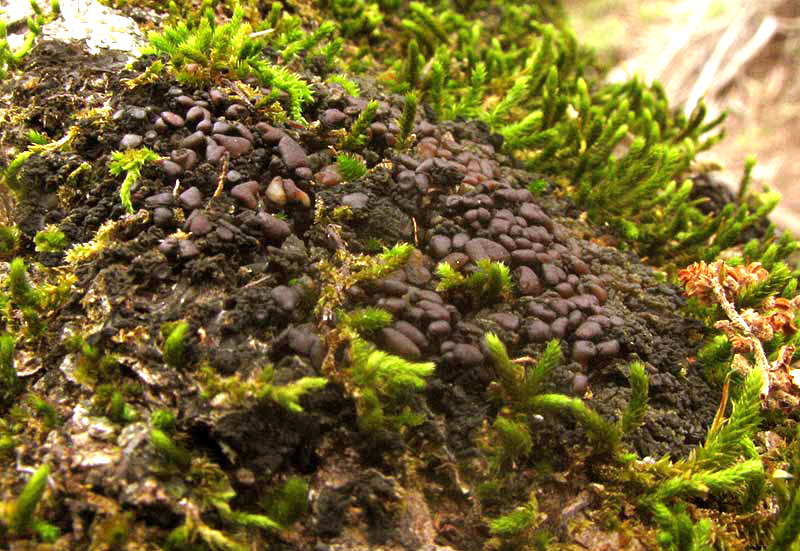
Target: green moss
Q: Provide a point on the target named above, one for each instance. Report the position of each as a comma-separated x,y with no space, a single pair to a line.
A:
287,395
20,520
350,167
109,400
349,86
29,300
170,451
406,122
44,410
12,59
10,385
131,162
365,320
288,503
633,416
49,240
9,240
386,386
260,388
488,284
356,16
357,135
163,420
206,52
515,529
174,353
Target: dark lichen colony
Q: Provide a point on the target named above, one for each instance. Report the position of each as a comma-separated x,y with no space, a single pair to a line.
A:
355,275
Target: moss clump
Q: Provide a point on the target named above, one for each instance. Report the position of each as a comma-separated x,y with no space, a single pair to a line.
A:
350,167
50,240
208,51
175,353
259,389
9,240
488,284
386,386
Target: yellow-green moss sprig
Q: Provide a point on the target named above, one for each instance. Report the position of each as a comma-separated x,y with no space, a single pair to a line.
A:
44,411
50,239
604,436
131,162
633,416
19,514
521,383
349,86
163,420
350,167
413,65
357,135
22,292
174,353
678,531
426,16
356,17
170,451
259,389
309,41
513,439
9,239
364,320
10,384
787,528
11,173
489,283
288,503
386,384
515,528
11,59
203,53
288,395
406,137
435,91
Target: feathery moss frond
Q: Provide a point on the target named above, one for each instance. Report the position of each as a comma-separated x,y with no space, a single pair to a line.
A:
288,395
386,384
50,239
788,527
366,319
724,441
349,86
130,162
350,167
407,120
489,283
357,135
752,295
605,436
637,406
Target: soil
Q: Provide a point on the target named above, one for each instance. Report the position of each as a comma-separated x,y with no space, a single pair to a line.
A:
245,266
